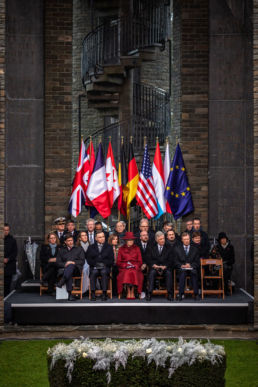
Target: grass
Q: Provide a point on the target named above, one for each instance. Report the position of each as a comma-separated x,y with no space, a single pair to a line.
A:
23,363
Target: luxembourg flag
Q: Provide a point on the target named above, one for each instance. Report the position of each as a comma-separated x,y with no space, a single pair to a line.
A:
97,190
158,178
166,173
112,178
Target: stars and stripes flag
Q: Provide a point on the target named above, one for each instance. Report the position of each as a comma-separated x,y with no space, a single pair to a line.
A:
97,190
112,178
145,195
166,173
80,182
158,179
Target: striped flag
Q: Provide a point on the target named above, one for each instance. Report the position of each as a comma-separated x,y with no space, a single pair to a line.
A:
133,178
122,181
78,195
145,195
97,190
158,179
166,173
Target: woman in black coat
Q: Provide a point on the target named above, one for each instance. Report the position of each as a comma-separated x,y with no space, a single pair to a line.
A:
48,254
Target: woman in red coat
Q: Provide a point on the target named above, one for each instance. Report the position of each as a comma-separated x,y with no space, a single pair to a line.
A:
129,262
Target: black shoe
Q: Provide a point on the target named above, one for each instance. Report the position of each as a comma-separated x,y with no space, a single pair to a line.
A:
93,296
170,297
197,297
104,296
180,297
71,298
61,282
148,297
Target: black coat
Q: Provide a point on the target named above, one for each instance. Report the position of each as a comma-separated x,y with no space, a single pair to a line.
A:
76,254
181,258
46,254
75,234
106,256
227,254
203,249
10,252
61,239
204,239
151,234
146,254
166,258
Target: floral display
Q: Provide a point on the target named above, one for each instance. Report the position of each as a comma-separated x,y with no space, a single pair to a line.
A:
113,352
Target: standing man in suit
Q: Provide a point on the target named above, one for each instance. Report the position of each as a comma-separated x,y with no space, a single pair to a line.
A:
70,228
100,257
90,224
10,254
161,263
187,261
144,226
70,260
60,229
99,227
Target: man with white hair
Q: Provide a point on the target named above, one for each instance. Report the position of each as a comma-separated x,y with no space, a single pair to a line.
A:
144,226
161,264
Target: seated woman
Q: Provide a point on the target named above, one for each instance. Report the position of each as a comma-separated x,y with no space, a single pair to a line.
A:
129,262
84,243
113,241
48,253
227,253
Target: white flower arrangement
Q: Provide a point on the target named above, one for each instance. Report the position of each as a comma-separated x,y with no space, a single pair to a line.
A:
108,352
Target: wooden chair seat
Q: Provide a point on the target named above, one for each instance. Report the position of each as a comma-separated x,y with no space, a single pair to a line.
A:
161,290
77,286
219,277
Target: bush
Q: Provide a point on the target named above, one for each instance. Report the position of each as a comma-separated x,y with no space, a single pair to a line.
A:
149,365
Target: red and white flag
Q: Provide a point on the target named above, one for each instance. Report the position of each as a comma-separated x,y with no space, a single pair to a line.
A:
112,178
80,181
166,173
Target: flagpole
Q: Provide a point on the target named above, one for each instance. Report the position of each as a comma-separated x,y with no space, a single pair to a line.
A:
122,142
165,217
129,218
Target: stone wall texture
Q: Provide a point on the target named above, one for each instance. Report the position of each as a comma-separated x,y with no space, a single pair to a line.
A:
58,107
2,151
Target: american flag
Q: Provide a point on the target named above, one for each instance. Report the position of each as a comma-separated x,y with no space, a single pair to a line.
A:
145,195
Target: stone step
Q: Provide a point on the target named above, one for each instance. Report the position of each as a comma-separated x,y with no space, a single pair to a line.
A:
105,87
103,97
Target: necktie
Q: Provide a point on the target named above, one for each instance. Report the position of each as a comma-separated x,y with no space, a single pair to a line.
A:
91,239
160,249
144,246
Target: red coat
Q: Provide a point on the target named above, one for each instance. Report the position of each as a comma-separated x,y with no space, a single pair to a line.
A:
126,256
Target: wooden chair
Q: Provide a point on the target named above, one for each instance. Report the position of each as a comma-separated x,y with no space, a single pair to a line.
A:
161,290
218,276
98,292
77,286
187,289
42,288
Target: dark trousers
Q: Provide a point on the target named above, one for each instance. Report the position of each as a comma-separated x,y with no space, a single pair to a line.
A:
194,280
115,272
104,274
50,275
227,271
7,284
168,277
69,272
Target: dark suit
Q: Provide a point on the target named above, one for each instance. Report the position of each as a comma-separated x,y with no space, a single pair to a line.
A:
97,258
146,254
151,234
181,258
75,234
10,252
165,258
61,237
89,238
75,254
49,268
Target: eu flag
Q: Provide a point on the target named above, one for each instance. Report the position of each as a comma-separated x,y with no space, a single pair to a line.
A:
177,190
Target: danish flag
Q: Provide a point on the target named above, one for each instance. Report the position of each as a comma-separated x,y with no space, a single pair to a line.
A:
112,178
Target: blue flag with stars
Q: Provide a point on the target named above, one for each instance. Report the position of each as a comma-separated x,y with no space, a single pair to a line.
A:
177,190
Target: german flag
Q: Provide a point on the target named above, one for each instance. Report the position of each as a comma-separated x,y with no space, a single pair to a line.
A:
133,178
122,181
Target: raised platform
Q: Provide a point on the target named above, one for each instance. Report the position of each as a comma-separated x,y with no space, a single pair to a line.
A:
28,308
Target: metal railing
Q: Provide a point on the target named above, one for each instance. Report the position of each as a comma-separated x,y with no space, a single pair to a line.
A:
121,37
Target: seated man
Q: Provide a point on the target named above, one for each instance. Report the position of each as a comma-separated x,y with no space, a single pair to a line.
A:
145,248
90,224
60,229
99,227
227,253
70,261
100,257
187,261
171,238
144,226
198,243
161,263
10,254
70,229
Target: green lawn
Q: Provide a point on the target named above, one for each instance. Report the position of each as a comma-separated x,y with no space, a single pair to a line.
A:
23,363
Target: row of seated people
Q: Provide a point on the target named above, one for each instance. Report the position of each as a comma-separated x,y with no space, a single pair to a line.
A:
129,257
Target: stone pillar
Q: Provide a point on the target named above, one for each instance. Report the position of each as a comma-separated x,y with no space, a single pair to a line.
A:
58,107
2,152
194,100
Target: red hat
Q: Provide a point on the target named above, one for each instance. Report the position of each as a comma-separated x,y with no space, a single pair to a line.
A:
129,236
